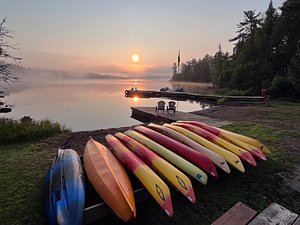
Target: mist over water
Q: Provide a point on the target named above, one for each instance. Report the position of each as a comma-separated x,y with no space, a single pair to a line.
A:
83,104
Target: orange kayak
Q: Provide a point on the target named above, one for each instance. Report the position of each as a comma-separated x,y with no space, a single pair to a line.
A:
110,179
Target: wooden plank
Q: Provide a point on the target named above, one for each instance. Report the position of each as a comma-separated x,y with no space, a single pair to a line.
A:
239,214
150,113
297,222
96,212
275,214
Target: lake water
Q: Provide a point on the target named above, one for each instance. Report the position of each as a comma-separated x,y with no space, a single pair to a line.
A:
84,104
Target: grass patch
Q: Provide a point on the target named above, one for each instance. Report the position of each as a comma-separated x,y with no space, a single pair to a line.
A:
22,170
261,132
27,130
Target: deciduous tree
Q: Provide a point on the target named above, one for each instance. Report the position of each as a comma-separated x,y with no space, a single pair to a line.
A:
6,58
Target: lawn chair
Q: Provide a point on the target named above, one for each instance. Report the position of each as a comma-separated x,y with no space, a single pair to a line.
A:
160,106
172,106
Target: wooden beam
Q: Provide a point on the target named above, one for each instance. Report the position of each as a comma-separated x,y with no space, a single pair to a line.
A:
239,214
273,215
98,211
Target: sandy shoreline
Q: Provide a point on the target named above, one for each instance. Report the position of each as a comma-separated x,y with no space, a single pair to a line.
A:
77,140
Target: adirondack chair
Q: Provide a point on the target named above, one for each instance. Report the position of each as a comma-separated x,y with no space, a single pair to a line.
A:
160,106
172,106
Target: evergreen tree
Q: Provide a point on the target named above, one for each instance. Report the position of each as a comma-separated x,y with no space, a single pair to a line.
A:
286,39
221,74
246,29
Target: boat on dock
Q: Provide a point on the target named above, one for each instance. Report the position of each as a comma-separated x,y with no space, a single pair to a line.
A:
5,109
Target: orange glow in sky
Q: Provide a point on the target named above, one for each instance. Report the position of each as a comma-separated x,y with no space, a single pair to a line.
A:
127,38
136,99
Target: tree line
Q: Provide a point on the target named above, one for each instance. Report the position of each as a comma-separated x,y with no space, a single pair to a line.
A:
266,54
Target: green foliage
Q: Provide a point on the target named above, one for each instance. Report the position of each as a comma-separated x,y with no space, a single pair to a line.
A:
247,28
221,70
27,130
282,86
195,70
266,54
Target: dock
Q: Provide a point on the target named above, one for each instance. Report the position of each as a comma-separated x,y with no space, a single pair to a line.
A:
274,214
147,114
184,96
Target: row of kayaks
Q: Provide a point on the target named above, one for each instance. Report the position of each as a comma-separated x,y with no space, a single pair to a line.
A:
157,155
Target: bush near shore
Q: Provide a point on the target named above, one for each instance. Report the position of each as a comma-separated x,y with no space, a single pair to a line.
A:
27,130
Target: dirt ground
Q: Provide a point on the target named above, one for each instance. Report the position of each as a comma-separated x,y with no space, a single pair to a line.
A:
77,140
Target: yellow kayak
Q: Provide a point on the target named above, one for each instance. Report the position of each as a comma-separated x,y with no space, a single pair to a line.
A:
231,158
176,160
214,157
169,172
155,186
242,153
226,136
249,140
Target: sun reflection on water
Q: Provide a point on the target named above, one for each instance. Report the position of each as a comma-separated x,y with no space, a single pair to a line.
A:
136,99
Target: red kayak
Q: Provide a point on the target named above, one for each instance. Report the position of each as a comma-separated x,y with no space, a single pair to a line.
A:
180,149
218,132
243,154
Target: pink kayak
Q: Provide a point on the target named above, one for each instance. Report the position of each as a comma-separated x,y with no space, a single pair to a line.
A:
180,149
218,132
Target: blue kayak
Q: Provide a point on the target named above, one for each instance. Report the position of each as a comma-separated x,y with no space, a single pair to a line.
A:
64,189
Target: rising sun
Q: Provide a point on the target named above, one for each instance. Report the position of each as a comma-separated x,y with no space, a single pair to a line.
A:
135,57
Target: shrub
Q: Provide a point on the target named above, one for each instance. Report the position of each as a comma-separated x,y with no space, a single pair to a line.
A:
282,87
27,130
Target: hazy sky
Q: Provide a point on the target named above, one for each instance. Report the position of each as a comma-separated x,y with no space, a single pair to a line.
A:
99,36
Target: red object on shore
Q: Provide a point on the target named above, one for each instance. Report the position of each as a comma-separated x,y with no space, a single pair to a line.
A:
180,149
264,92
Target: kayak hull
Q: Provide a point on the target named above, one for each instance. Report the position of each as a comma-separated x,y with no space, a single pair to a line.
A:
171,174
230,138
243,154
231,158
64,189
155,186
218,160
109,179
196,158
170,156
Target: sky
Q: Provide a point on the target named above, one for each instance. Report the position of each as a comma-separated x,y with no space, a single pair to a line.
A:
99,36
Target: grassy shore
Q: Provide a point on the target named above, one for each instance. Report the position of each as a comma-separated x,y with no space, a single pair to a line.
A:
24,165
27,130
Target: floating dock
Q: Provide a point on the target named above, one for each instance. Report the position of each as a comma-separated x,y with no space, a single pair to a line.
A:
193,97
147,114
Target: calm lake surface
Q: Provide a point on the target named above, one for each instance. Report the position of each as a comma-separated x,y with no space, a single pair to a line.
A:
84,104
